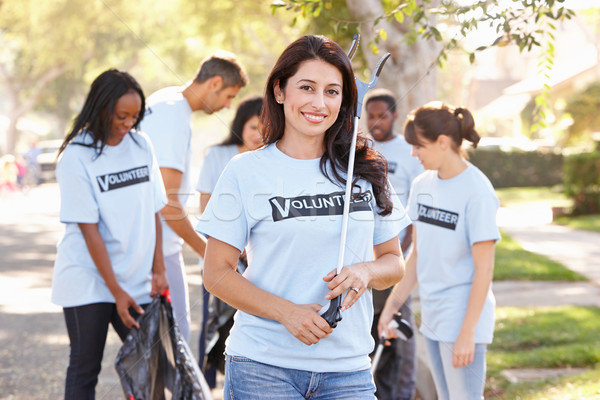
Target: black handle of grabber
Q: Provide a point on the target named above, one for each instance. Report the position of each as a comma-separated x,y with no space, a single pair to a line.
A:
403,329
333,315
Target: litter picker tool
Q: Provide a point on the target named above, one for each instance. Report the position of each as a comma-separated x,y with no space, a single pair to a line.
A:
404,332
333,314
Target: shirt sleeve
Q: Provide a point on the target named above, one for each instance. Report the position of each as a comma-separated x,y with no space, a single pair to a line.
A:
208,174
160,195
225,218
170,139
78,202
390,226
411,204
481,219
417,168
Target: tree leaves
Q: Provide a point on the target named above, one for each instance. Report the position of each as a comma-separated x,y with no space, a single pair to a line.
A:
518,19
527,24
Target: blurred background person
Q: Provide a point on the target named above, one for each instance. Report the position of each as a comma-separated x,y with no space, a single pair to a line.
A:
168,124
396,374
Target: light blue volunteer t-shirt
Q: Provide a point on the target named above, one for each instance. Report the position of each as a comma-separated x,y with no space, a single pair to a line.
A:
167,122
403,168
121,190
451,215
288,216
214,163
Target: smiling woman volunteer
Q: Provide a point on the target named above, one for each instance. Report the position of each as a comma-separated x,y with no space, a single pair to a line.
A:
453,206
290,222
109,261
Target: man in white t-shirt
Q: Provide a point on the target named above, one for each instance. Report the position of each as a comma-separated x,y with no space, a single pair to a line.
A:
395,377
167,122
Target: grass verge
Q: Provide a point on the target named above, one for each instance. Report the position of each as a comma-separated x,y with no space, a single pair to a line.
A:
585,386
552,196
549,197
585,222
515,263
550,337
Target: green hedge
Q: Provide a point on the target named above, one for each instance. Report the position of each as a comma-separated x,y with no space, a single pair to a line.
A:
582,182
519,168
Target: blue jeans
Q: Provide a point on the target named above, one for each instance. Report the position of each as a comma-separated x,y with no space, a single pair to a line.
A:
246,379
87,327
465,383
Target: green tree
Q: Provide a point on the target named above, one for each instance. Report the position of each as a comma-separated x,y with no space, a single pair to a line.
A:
419,34
189,30
583,108
44,41
50,51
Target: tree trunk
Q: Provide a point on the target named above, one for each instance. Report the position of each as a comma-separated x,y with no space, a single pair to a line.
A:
408,73
11,135
20,108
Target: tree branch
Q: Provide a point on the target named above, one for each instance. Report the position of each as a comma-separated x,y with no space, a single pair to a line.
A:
38,88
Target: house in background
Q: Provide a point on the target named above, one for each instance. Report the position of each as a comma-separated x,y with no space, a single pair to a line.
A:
515,80
503,115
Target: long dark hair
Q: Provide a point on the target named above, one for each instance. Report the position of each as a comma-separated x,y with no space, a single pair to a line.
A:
98,110
247,109
436,118
369,164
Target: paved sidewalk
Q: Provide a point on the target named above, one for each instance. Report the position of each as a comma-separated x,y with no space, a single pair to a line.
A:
530,226
545,294
576,249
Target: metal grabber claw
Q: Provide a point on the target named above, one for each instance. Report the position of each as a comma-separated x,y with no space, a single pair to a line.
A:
333,313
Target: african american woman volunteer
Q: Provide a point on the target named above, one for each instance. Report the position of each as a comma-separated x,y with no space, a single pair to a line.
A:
110,260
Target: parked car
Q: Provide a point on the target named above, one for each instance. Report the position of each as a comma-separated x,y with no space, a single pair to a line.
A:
47,159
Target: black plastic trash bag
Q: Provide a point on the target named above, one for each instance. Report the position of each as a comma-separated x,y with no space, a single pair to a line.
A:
155,362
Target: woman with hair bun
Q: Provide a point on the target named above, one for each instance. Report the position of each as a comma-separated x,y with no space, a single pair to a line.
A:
453,206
